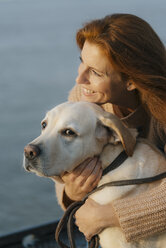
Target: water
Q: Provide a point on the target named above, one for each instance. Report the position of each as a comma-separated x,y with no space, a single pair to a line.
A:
38,66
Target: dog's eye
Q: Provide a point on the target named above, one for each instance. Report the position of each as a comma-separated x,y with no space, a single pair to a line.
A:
68,132
43,124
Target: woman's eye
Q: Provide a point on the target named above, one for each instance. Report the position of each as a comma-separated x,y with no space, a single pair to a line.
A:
96,73
44,124
68,132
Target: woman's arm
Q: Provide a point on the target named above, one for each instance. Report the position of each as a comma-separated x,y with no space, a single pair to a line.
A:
144,215
139,217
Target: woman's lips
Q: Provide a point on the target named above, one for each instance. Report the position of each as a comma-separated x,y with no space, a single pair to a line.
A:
88,92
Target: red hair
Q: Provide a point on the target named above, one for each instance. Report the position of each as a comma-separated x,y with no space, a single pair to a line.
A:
135,51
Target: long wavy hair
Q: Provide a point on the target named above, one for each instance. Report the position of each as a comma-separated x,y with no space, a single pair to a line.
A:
136,52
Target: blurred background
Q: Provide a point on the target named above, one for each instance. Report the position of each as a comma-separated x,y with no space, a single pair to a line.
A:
38,66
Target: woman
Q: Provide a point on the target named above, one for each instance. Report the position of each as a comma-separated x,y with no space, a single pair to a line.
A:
123,68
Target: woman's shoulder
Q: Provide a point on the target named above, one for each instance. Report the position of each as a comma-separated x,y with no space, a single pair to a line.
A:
75,94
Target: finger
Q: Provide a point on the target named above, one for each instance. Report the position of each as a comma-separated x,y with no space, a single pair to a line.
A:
71,176
97,180
78,170
95,175
92,180
87,172
90,168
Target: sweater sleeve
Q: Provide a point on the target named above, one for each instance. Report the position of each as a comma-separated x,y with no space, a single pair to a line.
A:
143,215
75,94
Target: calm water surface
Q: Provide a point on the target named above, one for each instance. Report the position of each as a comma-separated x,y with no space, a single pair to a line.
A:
38,66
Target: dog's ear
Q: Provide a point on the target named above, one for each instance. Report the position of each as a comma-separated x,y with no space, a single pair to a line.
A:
120,132
101,133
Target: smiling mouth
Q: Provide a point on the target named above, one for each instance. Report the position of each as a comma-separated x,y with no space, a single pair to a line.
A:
88,92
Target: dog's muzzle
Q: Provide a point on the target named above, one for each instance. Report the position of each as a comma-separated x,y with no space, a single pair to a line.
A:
31,152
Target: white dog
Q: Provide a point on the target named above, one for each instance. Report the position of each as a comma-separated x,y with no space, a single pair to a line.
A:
73,132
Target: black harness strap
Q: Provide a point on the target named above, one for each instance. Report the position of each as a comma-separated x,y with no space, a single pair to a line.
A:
65,221
68,215
116,163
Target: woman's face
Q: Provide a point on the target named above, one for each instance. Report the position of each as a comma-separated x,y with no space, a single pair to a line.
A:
100,83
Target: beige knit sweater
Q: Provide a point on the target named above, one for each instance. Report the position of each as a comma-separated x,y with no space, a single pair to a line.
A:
139,216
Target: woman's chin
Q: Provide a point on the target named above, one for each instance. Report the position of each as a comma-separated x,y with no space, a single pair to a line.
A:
90,98
93,99
86,99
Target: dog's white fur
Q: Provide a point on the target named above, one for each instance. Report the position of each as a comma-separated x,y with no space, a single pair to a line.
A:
102,134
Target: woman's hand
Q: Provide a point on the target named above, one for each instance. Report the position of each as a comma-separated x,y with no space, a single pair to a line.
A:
92,218
83,179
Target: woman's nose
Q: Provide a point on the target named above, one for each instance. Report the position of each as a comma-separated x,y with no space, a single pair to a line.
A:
82,77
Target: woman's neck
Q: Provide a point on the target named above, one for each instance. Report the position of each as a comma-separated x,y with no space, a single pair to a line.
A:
129,101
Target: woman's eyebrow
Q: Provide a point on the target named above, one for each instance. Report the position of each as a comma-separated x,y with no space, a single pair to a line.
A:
92,67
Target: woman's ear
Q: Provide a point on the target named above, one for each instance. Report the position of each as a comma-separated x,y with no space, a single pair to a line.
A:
130,86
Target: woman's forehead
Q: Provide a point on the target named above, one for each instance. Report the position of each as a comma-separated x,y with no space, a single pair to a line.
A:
93,56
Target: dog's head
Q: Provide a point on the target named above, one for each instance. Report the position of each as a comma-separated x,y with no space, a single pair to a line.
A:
71,133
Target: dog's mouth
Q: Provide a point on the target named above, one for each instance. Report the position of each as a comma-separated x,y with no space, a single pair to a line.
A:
34,166
38,167
28,168
39,171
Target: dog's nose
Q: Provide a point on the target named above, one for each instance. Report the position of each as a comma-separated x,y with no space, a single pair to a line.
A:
31,151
